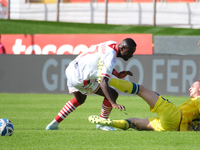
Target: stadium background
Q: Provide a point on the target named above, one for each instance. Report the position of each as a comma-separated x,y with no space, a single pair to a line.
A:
171,61
171,13
30,113
166,64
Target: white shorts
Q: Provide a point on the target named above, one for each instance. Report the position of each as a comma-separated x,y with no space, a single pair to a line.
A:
75,84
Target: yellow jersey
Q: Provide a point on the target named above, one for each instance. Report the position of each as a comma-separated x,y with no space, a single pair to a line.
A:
190,114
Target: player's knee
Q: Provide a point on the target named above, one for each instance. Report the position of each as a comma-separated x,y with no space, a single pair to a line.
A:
81,101
81,98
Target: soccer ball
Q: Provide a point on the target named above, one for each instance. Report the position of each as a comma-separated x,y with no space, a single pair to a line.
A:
6,127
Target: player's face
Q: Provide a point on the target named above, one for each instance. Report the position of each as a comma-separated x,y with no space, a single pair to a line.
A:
194,89
127,53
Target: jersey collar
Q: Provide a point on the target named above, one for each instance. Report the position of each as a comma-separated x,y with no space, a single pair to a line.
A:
115,47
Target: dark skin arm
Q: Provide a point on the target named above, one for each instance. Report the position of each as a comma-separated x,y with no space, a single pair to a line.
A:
125,73
106,90
121,74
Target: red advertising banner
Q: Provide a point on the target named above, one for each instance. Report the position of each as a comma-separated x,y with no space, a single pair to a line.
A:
59,44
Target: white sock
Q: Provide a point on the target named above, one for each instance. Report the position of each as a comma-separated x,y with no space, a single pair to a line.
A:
54,122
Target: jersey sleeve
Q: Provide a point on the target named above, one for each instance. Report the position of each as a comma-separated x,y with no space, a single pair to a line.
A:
108,63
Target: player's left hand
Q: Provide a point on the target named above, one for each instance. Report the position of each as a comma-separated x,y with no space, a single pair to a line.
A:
123,74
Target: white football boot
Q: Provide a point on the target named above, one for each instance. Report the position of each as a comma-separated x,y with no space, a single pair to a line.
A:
53,125
102,124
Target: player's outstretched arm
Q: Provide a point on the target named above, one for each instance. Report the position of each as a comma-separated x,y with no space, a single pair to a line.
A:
107,92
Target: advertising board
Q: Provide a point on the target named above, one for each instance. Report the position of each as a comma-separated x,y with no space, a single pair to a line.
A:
71,44
165,74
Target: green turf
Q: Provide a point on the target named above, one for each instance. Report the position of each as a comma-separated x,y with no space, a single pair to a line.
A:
44,27
30,113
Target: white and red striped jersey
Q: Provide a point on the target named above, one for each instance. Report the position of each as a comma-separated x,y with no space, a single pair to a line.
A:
99,61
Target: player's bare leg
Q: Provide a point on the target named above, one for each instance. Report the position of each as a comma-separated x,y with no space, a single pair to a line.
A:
149,96
140,124
135,123
129,87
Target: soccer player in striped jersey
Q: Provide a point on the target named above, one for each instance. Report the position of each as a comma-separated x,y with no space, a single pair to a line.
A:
170,117
90,72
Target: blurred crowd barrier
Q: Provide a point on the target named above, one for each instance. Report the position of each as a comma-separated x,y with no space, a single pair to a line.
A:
171,13
100,1
177,45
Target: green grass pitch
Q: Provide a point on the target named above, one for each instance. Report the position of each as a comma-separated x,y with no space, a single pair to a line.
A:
30,113
47,27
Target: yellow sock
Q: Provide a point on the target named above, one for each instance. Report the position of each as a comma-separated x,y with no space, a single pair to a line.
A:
122,124
124,86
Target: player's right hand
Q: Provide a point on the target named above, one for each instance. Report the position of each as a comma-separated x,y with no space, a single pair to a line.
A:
116,106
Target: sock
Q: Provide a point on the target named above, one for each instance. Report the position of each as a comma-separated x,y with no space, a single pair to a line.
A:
106,109
125,86
122,124
67,109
